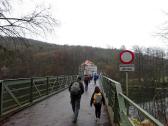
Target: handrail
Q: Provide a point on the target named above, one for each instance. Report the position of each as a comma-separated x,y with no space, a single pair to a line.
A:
16,94
111,80
155,121
119,103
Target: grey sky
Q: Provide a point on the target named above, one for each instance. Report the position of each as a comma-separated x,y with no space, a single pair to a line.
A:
104,23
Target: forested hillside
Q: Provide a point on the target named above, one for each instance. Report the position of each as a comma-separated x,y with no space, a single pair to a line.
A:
28,58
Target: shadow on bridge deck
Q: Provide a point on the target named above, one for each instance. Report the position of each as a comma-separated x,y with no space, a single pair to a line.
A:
56,111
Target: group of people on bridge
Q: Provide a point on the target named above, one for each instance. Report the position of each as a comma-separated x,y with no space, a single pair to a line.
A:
88,78
76,90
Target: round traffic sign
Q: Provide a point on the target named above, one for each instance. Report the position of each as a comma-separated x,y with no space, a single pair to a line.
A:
126,57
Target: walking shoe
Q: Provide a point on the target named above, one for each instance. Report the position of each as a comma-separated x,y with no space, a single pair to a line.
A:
98,120
74,121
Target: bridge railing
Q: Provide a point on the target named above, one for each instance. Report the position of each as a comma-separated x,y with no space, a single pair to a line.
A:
17,94
120,106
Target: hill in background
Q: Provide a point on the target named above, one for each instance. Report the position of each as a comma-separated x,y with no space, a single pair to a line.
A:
22,58
26,58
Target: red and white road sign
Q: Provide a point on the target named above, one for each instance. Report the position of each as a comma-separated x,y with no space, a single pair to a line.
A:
126,57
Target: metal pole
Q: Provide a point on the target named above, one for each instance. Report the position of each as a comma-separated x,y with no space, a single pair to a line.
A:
127,105
126,84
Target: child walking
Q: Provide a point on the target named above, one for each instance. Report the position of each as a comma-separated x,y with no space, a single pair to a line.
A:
97,99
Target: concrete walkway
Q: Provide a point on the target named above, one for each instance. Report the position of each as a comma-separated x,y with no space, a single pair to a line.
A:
57,111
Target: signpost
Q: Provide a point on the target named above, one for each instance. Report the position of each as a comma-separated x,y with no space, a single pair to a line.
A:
127,67
126,57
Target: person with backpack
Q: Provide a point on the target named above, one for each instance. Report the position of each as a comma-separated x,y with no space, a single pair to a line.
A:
76,89
97,99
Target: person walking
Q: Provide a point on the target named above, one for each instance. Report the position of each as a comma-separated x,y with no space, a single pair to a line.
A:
86,81
95,77
76,89
97,99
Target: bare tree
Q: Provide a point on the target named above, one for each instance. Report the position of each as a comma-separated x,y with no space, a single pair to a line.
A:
163,33
36,22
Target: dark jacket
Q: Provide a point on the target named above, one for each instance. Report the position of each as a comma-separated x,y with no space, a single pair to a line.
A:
81,91
95,77
92,99
86,79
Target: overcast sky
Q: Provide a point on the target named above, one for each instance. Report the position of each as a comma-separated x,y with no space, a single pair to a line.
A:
104,23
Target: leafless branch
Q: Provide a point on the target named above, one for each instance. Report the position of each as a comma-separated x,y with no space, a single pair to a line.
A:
163,31
37,22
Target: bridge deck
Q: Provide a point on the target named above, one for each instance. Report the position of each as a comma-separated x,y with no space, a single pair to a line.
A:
56,111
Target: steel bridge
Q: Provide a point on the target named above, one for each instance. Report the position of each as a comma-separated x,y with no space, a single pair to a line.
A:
45,101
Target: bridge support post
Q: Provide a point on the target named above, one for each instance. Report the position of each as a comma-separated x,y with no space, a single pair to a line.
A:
1,96
31,90
47,85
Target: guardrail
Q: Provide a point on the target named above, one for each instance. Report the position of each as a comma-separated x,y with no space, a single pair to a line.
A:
17,94
121,104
